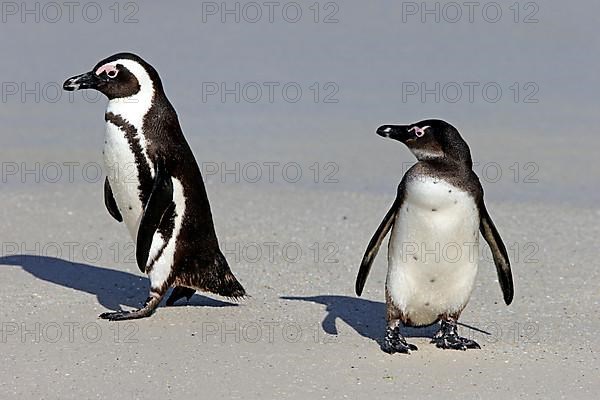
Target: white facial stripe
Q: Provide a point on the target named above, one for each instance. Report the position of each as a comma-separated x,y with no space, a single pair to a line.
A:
134,108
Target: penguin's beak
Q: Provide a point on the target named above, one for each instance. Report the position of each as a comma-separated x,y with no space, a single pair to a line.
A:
89,80
397,132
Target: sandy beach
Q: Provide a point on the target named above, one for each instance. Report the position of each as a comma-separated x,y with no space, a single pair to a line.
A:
297,189
303,333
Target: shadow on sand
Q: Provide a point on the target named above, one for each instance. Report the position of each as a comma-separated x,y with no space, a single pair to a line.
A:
366,317
112,288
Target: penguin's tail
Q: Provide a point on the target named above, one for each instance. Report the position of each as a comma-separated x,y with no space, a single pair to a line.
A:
222,281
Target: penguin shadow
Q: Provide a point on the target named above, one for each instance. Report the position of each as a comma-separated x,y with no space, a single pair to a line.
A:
113,289
366,317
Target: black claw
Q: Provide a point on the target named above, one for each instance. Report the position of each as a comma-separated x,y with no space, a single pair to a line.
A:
394,342
447,338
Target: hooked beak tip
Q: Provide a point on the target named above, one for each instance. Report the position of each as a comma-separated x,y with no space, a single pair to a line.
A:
71,85
384,131
84,81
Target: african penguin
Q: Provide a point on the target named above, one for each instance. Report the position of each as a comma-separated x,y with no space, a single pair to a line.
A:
433,248
154,186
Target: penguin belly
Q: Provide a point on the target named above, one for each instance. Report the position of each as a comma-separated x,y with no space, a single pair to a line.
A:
123,176
124,179
433,251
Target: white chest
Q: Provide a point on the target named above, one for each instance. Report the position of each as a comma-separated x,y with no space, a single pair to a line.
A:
123,171
433,250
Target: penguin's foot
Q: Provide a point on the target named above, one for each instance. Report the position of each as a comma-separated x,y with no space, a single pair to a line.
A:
149,306
394,342
179,292
124,315
447,338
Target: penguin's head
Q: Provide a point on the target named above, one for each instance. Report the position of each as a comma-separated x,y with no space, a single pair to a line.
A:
431,139
119,76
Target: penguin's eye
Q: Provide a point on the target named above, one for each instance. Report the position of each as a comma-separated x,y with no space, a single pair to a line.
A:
110,70
419,132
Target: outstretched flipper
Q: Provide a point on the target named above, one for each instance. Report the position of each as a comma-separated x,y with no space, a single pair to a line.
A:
160,200
492,237
110,203
374,244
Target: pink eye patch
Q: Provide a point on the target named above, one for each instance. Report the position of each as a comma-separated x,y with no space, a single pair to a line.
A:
418,131
110,70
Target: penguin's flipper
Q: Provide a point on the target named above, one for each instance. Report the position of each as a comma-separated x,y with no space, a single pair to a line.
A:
110,203
492,237
160,200
373,247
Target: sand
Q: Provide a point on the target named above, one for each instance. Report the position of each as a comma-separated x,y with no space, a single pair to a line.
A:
302,333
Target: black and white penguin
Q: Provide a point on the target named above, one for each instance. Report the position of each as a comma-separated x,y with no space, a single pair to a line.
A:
155,187
433,249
